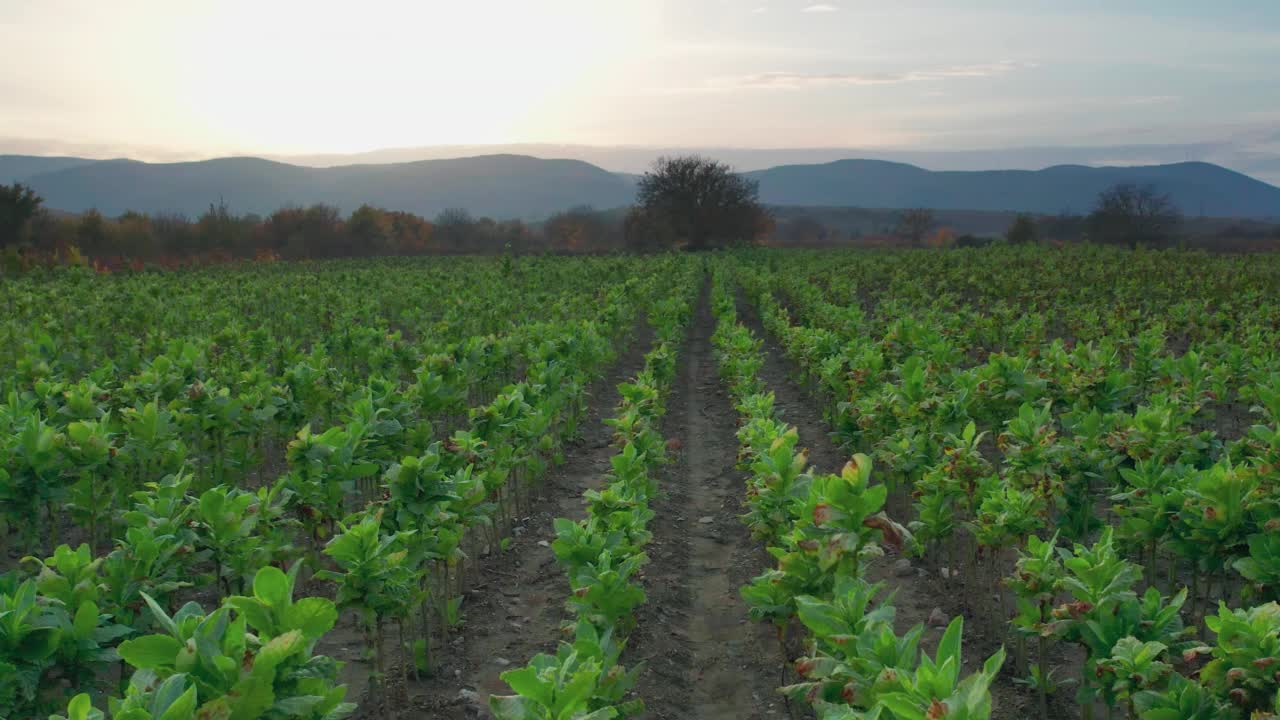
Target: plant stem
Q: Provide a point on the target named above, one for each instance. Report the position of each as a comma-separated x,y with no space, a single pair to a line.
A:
1042,653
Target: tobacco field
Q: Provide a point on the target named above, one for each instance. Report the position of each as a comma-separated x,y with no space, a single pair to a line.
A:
1007,482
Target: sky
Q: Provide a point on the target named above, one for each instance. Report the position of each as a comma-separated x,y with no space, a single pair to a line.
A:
164,80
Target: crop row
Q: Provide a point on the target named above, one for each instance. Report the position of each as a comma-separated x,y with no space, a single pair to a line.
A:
822,529
399,558
1099,483
603,552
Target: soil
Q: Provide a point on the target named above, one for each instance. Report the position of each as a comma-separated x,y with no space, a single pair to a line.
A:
514,605
1229,420
703,657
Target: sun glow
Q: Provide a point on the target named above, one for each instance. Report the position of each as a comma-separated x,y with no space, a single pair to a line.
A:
334,77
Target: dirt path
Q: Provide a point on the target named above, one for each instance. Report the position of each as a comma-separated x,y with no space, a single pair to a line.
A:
917,595
704,659
514,606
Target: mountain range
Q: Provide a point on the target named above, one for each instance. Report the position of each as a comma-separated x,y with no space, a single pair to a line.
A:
1197,188
519,186
1256,154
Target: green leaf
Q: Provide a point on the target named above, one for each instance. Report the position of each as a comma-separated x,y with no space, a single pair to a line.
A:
39,644
949,645
86,620
902,706
279,649
512,707
363,470
183,708
314,616
820,617
252,697
574,694
216,709
526,683
340,711
255,612
173,693
272,587
81,708
150,651
301,706
161,616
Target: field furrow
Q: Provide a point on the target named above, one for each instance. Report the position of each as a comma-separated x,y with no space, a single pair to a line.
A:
703,658
515,608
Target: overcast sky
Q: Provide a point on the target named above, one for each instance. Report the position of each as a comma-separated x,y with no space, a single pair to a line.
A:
163,79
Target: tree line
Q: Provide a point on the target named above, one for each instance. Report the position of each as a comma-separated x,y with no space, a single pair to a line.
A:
1125,214
319,231
684,202
687,202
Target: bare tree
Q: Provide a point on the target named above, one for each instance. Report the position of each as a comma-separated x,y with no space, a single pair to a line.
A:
646,231
915,224
1133,215
455,229
702,202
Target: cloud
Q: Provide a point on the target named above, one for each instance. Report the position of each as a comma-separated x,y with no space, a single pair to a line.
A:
820,8
803,80
1125,161
102,150
1145,100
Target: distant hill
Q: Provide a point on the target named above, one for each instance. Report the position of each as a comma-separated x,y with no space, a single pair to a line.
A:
529,188
500,186
17,168
1197,188
1255,153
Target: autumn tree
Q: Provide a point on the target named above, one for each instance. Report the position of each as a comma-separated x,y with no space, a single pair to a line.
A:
915,224
1133,215
941,238
313,231
370,231
18,205
412,234
577,229
702,202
